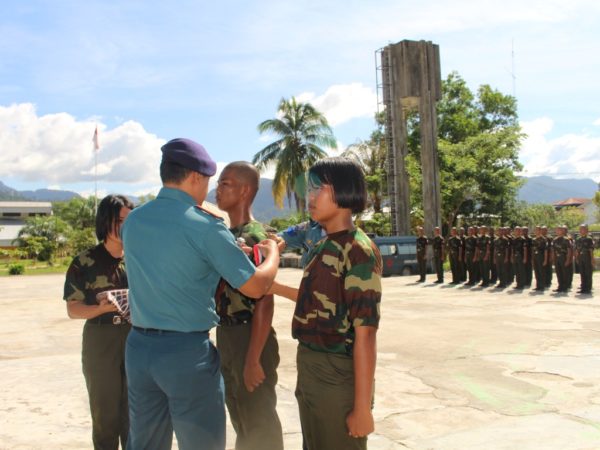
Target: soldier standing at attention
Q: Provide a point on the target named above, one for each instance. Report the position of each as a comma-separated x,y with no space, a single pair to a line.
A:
519,256
470,247
500,244
540,259
245,338
510,235
438,254
483,255
563,256
422,242
463,267
571,266
548,278
493,269
455,249
529,259
337,314
585,258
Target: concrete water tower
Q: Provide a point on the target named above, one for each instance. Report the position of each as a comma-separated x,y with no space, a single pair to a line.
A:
411,81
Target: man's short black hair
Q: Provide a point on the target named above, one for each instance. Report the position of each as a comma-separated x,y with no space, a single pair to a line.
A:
171,172
347,179
108,215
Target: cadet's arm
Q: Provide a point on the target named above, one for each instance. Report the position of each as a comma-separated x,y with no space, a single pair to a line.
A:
76,309
360,420
259,283
284,291
262,319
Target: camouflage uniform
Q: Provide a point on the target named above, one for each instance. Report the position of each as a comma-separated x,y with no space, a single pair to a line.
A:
501,251
529,262
539,245
483,258
561,247
103,347
422,256
470,247
253,414
585,251
455,252
438,257
340,291
548,278
518,247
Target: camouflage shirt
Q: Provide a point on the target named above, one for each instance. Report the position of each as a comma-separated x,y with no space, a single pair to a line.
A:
539,245
438,245
340,290
230,302
470,244
561,246
500,247
483,244
454,245
585,246
518,246
91,272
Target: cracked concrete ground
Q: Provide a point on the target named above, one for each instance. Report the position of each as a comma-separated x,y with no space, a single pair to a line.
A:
458,368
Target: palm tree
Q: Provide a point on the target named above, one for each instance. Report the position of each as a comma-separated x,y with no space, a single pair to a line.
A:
301,130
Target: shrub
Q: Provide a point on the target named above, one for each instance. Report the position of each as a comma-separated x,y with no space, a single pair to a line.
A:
16,269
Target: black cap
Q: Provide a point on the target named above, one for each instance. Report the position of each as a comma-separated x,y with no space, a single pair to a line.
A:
190,155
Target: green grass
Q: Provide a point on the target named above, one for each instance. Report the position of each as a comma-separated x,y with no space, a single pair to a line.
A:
33,267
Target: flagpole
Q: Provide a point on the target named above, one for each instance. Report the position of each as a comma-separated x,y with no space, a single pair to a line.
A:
96,149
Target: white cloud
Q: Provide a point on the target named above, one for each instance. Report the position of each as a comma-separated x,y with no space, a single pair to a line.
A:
567,156
597,122
57,149
343,102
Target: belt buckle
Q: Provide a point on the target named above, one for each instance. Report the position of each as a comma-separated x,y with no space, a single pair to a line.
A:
117,320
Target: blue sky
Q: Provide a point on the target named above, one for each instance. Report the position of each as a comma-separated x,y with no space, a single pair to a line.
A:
149,71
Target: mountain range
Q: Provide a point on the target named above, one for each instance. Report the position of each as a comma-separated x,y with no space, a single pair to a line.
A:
541,189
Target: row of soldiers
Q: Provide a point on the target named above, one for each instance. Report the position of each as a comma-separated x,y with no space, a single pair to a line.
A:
499,258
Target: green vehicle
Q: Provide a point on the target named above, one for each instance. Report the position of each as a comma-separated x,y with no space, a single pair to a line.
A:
398,253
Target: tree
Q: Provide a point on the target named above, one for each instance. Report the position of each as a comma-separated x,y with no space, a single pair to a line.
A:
596,201
478,143
78,212
371,155
301,130
43,236
571,217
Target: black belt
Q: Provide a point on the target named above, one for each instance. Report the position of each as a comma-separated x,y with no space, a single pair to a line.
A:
229,321
108,320
160,332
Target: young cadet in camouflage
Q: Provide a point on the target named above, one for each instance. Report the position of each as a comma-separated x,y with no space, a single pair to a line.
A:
422,242
245,338
93,271
563,252
518,255
482,255
548,238
439,244
337,314
528,257
584,253
455,251
540,259
501,257
470,247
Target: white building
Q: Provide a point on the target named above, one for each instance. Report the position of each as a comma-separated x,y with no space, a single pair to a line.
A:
13,216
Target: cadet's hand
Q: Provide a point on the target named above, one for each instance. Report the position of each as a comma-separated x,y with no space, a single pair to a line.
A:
254,375
106,306
359,423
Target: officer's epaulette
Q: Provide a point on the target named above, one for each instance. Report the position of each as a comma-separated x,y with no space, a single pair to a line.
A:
210,213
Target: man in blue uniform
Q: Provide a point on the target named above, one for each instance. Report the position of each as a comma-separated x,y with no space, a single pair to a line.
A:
303,236
176,254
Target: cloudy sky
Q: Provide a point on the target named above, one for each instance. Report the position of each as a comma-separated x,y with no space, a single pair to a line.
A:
146,71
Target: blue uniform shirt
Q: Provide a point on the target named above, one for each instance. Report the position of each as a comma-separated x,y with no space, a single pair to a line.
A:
176,254
305,235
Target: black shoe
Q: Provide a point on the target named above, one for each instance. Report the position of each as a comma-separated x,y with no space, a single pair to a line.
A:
420,281
438,281
484,284
500,286
585,292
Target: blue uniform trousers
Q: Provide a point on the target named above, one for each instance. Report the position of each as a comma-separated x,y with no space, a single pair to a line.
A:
174,384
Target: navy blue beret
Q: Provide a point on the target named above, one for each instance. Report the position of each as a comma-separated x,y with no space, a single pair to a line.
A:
190,155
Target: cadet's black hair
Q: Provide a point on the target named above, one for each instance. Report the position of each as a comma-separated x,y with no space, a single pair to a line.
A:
171,172
347,179
107,217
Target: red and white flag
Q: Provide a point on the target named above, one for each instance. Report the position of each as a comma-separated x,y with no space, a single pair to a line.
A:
95,140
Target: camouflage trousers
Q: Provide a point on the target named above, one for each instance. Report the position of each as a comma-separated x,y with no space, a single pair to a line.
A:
325,394
103,363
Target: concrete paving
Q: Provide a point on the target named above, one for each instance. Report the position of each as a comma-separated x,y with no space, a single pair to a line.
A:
458,368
